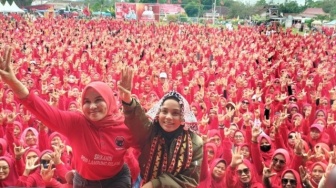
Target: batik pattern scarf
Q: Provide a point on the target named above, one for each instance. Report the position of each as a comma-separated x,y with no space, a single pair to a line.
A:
159,158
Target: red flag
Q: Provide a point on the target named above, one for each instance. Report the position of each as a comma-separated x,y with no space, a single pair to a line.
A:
86,11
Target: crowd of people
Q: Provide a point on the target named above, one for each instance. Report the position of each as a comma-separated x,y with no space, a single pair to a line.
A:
109,103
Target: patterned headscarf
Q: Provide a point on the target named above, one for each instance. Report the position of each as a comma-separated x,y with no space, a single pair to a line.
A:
190,121
159,161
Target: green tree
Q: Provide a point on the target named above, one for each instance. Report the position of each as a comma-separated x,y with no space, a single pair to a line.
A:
291,7
148,1
193,9
261,3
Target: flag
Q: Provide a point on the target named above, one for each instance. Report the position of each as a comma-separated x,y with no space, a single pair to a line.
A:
86,10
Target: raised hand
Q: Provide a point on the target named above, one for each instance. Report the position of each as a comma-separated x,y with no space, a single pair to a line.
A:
30,164
19,150
56,155
47,173
125,85
298,144
205,120
267,171
305,176
237,157
8,76
6,71
256,131
11,117
227,132
330,166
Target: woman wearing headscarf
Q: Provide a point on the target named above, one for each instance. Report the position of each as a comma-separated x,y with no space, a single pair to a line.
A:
9,174
317,170
58,140
215,177
103,131
241,173
31,177
291,179
170,127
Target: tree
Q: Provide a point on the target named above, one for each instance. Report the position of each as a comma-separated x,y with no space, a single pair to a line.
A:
192,9
291,7
261,3
148,1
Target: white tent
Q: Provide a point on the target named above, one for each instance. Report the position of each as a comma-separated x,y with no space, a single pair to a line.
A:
16,8
8,8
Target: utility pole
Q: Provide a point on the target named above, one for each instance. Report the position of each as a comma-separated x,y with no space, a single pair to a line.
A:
213,13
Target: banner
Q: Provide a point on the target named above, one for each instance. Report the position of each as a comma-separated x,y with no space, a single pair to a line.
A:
148,12
145,11
125,11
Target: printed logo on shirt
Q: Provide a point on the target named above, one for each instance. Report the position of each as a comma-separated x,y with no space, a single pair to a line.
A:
120,141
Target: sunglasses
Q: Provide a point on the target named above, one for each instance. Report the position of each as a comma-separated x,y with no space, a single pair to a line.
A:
291,136
245,102
276,160
245,171
211,84
286,181
292,99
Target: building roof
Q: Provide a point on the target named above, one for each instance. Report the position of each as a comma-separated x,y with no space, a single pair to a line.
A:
313,12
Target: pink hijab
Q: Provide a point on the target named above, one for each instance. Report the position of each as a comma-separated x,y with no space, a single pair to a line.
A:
13,176
113,117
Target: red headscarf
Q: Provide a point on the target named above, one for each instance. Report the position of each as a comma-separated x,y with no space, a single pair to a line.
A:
113,116
12,177
210,181
324,167
296,175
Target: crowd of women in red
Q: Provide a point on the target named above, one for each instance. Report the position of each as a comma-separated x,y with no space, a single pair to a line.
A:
265,103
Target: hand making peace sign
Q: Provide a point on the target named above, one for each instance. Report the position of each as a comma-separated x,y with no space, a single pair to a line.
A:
125,85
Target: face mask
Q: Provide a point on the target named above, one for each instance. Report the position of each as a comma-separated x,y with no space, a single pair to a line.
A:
265,148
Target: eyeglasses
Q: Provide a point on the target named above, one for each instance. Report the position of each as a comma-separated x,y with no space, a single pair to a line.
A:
290,136
211,84
286,181
245,102
245,171
238,136
292,99
276,160
277,82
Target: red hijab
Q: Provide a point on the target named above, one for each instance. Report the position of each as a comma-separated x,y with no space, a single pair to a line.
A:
296,175
210,182
113,116
324,167
12,177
